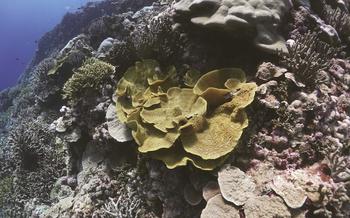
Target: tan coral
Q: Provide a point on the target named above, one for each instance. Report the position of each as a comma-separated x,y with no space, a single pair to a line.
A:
212,86
179,104
219,137
140,83
216,207
266,207
191,77
225,125
149,138
176,156
235,185
241,96
293,195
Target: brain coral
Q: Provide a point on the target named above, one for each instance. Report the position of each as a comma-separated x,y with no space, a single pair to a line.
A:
234,15
199,124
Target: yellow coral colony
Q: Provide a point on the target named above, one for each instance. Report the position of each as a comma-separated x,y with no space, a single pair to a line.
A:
200,123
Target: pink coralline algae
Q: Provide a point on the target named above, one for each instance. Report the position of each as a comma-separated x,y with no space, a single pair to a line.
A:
309,120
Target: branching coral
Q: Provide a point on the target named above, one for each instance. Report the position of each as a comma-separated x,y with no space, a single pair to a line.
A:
5,190
178,125
90,76
307,56
339,19
129,201
339,166
158,39
37,164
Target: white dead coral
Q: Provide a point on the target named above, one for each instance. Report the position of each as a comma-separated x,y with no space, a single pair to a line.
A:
262,174
288,191
235,185
119,131
294,196
263,16
59,125
216,207
266,207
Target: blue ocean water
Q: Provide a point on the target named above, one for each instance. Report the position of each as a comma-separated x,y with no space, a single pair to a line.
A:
22,23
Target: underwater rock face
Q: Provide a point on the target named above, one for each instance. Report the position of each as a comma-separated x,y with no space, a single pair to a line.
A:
128,116
263,16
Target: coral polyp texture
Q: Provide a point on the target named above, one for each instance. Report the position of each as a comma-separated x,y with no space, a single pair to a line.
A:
178,124
260,16
90,76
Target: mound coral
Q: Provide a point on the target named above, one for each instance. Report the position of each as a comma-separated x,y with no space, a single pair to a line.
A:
263,16
90,75
177,124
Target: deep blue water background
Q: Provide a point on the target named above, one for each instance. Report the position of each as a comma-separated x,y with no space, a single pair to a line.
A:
22,23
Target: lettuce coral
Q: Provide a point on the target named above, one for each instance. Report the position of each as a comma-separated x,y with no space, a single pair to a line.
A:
200,124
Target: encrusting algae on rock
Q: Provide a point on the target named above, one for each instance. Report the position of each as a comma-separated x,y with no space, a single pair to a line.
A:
177,125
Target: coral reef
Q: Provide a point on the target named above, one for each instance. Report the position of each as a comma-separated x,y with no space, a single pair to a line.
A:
97,128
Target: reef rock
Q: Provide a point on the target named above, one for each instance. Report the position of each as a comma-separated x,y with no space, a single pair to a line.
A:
216,207
235,185
264,16
294,196
266,207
